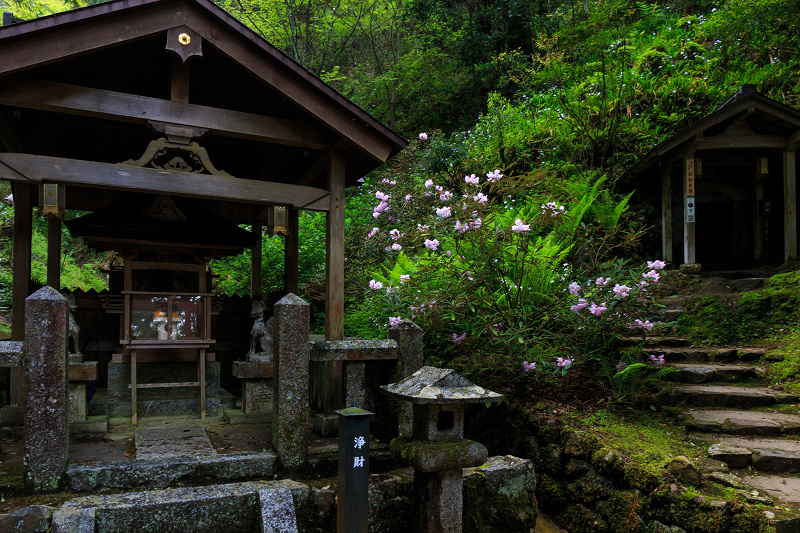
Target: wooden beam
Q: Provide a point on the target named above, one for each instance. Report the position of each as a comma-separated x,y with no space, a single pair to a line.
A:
724,142
689,208
789,206
40,169
179,85
24,195
666,215
291,251
85,101
793,141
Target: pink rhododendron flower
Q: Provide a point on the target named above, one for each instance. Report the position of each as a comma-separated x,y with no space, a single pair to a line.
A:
657,360
638,323
376,214
652,274
527,367
381,196
480,198
621,291
423,136
445,196
423,227
472,178
428,184
381,207
408,197
375,284
563,362
394,320
656,265
374,232
396,247
395,234
391,219
475,224
601,281
621,366
520,227
552,209
574,288
582,303
432,244
404,277
458,339
461,227
443,212
598,310
494,175
439,188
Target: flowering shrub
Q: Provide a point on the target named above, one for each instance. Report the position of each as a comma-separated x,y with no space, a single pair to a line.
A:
482,263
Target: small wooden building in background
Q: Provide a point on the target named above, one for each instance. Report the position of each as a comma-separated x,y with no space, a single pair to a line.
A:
164,102
726,185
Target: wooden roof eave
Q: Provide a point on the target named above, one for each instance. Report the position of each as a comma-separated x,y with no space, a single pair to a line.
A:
21,48
681,140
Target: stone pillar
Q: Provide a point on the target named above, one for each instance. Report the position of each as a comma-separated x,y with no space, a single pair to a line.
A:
438,501
356,380
292,358
409,359
45,389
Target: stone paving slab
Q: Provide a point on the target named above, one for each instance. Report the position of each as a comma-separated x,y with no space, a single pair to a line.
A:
726,396
789,445
741,422
785,488
234,508
178,442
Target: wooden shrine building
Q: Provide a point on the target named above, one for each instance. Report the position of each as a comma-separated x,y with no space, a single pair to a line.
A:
173,124
725,187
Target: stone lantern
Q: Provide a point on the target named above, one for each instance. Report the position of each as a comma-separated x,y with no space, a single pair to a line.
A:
437,448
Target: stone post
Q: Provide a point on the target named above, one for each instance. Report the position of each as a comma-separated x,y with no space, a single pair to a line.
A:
45,390
408,336
292,358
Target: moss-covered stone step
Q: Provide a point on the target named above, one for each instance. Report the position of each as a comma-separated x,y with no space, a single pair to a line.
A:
695,373
740,422
724,396
656,342
695,354
764,455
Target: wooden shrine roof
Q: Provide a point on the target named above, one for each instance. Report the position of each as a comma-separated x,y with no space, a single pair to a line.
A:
96,85
746,121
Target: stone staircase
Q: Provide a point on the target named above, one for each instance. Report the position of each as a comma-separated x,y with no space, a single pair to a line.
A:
748,427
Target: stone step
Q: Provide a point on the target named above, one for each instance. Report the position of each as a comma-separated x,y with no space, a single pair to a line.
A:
724,396
741,422
715,354
764,455
696,373
656,342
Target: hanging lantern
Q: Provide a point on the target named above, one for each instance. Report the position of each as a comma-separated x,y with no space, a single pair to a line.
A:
52,200
277,220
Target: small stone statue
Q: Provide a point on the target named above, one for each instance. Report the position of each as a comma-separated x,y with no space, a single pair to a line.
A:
74,331
262,332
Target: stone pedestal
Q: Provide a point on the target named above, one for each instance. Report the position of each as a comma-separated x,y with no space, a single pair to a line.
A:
45,390
438,501
292,359
77,402
257,396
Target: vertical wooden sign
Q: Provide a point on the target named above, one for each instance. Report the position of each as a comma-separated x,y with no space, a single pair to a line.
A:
689,208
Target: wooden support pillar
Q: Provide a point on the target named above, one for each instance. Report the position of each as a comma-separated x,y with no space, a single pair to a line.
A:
179,88
291,251
54,252
255,264
666,215
759,244
689,208
20,289
334,301
789,207
334,274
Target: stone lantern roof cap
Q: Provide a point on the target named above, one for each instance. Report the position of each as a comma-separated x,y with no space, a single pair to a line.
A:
431,385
